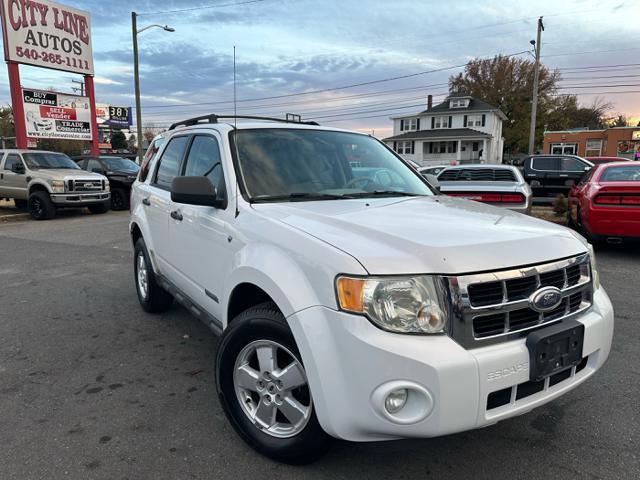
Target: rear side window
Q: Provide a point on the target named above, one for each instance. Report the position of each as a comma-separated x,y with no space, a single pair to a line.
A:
621,174
546,163
170,161
151,152
204,160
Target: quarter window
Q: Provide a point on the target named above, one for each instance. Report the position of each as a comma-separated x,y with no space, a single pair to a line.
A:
204,160
170,162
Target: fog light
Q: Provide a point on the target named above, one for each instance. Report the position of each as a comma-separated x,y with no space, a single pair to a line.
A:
396,400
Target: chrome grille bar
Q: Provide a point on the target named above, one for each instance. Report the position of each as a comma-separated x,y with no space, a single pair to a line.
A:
469,306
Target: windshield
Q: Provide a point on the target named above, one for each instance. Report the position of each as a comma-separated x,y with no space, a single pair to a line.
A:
118,163
296,164
37,160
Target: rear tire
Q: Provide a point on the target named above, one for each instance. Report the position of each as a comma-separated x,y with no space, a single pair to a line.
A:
40,206
287,434
153,298
99,208
119,199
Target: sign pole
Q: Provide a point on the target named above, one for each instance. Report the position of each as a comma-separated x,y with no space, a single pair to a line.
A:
88,86
17,106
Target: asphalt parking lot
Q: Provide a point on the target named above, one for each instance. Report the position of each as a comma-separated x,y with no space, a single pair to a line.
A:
92,387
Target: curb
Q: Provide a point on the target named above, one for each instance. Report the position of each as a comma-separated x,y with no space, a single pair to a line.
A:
14,217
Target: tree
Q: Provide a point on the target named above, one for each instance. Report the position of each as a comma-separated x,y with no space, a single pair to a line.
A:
619,121
67,146
118,140
132,143
507,83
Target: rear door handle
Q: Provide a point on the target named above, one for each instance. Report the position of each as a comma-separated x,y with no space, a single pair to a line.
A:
146,201
176,215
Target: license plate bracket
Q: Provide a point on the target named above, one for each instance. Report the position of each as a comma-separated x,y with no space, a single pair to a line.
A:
555,348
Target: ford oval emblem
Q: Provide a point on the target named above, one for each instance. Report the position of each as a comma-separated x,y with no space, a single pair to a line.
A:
546,299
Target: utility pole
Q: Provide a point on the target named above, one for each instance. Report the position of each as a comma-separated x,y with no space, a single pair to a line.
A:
80,88
536,78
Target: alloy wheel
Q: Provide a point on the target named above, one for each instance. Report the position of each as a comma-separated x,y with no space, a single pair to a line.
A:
272,389
142,276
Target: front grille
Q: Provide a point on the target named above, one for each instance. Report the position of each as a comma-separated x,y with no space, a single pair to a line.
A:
492,307
90,185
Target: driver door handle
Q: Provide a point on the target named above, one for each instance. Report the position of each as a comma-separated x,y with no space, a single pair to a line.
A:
146,201
176,215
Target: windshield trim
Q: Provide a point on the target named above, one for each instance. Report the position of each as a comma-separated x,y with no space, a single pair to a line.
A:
31,164
240,181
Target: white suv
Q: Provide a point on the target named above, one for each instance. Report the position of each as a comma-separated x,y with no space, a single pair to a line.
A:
353,300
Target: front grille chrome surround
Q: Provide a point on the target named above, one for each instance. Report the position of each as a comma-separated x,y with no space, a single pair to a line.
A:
494,307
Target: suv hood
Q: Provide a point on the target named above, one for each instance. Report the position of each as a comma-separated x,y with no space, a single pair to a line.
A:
428,234
65,173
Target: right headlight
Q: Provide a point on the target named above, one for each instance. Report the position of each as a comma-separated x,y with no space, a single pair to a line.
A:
412,304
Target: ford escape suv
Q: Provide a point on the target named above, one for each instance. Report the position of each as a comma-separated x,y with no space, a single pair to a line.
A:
355,308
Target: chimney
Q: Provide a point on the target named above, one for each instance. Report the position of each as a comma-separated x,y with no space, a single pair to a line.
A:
429,102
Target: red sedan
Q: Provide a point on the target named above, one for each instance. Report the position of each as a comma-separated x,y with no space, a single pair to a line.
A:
605,204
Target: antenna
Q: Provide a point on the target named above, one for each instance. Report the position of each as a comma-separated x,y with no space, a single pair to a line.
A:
235,124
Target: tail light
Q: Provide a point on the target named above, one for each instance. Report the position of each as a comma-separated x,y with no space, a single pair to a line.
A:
490,197
622,199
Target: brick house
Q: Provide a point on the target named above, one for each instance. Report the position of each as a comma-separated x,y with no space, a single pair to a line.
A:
608,142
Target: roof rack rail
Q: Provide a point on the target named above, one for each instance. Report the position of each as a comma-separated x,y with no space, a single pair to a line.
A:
213,118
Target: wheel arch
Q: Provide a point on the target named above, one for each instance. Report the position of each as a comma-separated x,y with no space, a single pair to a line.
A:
38,187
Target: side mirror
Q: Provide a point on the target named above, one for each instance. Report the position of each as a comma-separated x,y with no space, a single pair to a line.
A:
18,168
196,191
586,169
433,181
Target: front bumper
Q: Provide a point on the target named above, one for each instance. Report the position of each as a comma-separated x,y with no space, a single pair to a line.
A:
80,199
349,362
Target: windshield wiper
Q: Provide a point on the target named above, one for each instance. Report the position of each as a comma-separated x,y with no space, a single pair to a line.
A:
393,193
296,196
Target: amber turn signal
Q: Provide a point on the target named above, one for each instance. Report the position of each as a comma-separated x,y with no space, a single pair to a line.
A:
350,293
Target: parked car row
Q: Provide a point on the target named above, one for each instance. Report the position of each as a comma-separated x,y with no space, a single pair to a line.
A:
44,182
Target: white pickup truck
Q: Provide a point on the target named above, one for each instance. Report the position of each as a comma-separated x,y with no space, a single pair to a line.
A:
354,301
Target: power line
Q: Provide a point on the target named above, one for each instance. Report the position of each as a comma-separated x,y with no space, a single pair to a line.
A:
589,52
600,66
202,7
583,85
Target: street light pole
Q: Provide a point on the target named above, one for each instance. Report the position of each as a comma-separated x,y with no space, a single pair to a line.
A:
136,82
536,79
136,76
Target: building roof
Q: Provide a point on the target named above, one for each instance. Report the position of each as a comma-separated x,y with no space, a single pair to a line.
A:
440,133
475,105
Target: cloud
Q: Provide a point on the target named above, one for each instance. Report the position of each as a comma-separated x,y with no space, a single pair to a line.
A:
106,81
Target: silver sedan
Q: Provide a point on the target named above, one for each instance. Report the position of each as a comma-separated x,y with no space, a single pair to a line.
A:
500,185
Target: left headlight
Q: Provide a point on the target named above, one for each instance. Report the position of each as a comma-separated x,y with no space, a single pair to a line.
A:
398,304
57,186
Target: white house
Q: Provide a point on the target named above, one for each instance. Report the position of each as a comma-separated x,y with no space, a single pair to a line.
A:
459,130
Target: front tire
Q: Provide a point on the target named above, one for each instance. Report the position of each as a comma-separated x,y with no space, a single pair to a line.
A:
119,199
40,206
153,298
263,388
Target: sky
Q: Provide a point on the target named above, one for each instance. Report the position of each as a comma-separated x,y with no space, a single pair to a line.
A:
302,54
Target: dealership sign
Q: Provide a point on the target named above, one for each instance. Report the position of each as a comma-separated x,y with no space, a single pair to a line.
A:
47,34
56,115
112,116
